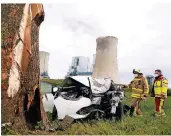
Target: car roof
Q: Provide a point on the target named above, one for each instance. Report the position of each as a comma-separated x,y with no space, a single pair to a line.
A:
82,79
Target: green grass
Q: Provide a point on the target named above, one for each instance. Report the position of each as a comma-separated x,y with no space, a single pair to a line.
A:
53,81
138,125
146,125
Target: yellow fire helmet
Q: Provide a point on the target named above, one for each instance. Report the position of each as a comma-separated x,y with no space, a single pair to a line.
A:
136,71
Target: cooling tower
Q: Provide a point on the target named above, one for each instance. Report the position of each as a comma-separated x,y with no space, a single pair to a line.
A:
44,61
106,64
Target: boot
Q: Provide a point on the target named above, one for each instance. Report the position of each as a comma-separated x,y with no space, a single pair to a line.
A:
132,111
163,113
139,113
157,114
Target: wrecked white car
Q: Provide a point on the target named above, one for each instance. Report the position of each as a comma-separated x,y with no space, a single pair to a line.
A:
83,97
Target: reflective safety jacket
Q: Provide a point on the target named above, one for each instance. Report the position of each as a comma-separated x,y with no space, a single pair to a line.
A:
139,87
160,86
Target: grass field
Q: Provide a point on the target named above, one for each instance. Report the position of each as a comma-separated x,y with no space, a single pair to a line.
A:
128,126
52,81
146,125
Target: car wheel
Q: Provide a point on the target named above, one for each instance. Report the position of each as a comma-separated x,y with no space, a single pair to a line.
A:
119,111
97,115
126,109
54,113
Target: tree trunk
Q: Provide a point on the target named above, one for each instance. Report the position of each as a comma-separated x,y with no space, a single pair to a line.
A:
21,97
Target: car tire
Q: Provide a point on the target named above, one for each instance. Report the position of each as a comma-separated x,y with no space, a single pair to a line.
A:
119,111
54,113
126,109
96,115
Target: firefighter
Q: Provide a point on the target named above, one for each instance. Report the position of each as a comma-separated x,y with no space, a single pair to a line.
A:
140,89
159,90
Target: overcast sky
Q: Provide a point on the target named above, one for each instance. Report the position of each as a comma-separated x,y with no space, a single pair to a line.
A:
142,28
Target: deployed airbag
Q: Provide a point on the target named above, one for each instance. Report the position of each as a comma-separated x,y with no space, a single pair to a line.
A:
100,85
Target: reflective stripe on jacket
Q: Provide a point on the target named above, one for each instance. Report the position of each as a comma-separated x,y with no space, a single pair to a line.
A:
160,87
139,87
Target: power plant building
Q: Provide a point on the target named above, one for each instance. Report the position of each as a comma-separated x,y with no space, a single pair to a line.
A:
150,79
44,63
79,66
92,66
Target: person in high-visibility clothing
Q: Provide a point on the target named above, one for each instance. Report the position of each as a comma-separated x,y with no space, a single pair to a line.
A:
140,90
159,90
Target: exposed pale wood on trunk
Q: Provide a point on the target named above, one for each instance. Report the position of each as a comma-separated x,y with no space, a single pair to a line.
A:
22,105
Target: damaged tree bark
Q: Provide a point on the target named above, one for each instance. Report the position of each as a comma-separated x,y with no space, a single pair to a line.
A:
20,73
